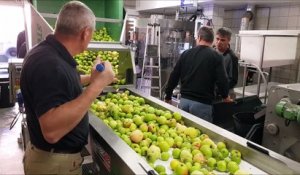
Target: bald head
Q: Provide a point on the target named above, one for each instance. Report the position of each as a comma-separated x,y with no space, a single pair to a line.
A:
73,17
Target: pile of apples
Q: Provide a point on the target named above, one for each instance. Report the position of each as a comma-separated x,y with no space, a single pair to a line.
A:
161,135
86,60
101,35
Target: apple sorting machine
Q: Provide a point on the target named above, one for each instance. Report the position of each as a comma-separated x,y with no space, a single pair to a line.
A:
112,155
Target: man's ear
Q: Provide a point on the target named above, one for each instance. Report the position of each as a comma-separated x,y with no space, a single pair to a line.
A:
84,34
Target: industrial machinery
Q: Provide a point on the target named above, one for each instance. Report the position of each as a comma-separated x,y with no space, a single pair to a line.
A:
126,60
14,70
282,123
112,155
272,48
176,37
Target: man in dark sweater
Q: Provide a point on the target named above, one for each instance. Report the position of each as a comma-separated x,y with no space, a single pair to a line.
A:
199,70
223,37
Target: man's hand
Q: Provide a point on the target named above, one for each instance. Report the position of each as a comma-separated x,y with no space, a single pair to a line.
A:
105,77
168,101
227,99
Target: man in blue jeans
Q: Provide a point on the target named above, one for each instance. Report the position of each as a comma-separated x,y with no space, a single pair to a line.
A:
199,70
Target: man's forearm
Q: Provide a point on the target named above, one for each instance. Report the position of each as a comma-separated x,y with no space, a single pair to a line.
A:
59,121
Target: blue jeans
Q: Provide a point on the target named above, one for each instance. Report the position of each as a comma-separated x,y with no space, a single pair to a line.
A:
198,109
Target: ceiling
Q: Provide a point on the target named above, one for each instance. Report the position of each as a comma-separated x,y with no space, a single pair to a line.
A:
227,4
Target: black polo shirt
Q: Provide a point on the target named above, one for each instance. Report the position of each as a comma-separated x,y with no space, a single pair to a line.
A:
48,80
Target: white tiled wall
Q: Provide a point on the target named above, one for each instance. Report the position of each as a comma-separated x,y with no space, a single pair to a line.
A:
273,18
232,20
215,13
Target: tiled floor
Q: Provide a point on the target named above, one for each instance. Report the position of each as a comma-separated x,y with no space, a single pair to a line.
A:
11,152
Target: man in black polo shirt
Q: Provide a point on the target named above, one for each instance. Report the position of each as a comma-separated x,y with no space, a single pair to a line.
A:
56,106
199,70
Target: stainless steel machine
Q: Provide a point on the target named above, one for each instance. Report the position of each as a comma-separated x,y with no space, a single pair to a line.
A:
112,155
282,123
176,37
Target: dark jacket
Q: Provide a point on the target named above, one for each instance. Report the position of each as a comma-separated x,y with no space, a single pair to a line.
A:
231,66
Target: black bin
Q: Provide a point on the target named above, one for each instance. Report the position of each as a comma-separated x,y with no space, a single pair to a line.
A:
4,93
244,121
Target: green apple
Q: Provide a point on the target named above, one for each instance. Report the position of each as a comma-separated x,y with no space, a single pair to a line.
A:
176,153
236,156
221,145
186,156
145,142
165,156
224,152
144,127
161,131
150,110
165,127
161,120
232,167
170,141
211,162
204,171
153,137
149,117
127,122
153,153
206,150
195,151
144,150
136,148
191,132
195,168
160,139
189,165
158,112
126,139
172,123
132,127
203,136
168,115
186,145
227,159
112,124
196,144
174,163
138,120
160,169
180,128
177,116
178,141
164,146
199,158
181,169
152,127
207,141
221,166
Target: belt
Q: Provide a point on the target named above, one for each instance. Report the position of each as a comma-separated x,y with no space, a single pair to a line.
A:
55,150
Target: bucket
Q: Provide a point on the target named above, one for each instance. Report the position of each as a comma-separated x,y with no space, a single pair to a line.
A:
243,122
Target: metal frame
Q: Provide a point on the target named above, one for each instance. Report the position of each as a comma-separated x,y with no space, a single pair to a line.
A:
262,75
256,155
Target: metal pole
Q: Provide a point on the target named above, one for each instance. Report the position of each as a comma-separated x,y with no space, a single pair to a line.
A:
244,79
260,66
